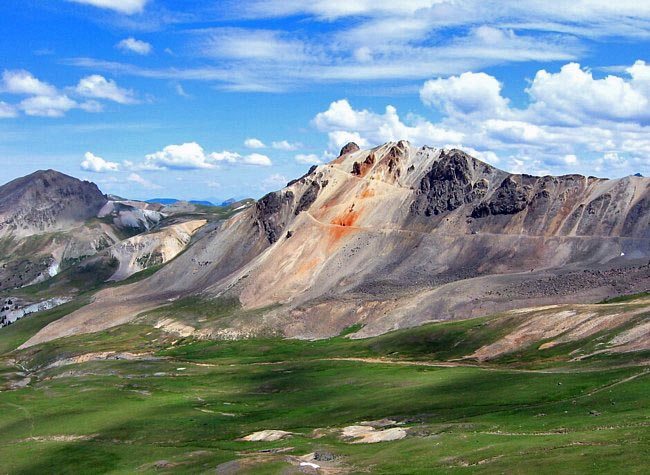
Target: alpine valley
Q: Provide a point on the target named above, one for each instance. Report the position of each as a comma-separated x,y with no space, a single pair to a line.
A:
398,310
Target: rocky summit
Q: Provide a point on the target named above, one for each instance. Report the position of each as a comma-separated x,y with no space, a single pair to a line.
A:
395,237
47,201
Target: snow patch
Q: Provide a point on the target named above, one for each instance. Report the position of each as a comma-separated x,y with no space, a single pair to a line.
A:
53,269
10,314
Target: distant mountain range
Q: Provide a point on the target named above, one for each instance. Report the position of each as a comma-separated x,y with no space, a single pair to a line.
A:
171,201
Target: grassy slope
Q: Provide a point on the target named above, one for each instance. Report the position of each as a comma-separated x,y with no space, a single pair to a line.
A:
492,419
14,335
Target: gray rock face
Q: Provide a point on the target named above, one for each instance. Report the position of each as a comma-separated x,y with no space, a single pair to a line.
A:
275,210
47,200
312,169
133,216
638,219
449,184
271,212
510,198
308,197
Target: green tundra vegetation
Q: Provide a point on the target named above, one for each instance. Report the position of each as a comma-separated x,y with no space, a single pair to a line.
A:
134,399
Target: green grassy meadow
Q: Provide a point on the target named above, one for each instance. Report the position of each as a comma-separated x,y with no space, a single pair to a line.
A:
184,405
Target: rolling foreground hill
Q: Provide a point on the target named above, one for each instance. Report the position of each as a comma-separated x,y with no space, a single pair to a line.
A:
510,393
395,237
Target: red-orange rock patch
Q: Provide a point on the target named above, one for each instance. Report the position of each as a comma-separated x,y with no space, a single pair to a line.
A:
346,219
343,225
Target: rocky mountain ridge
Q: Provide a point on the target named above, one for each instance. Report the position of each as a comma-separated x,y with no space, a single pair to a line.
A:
396,236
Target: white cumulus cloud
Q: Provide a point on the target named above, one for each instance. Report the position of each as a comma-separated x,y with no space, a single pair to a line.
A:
574,91
257,159
286,145
308,159
46,100
225,156
234,157
96,86
468,93
24,82
187,156
344,124
47,106
192,156
94,163
254,143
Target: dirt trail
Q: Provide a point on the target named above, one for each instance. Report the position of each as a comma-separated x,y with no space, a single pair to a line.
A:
443,364
645,372
462,234
452,364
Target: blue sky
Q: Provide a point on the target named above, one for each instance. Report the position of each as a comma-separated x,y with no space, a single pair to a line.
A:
213,99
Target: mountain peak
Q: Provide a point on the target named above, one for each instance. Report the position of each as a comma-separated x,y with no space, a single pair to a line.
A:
48,173
350,147
47,200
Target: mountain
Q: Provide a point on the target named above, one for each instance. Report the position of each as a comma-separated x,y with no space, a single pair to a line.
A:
51,223
229,201
47,201
46,224
163,201
394,237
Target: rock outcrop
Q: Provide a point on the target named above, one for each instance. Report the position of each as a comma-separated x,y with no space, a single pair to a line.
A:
350,147
454,179
132,216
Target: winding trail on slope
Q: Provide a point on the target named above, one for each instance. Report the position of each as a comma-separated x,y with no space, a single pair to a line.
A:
453,364
482,233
